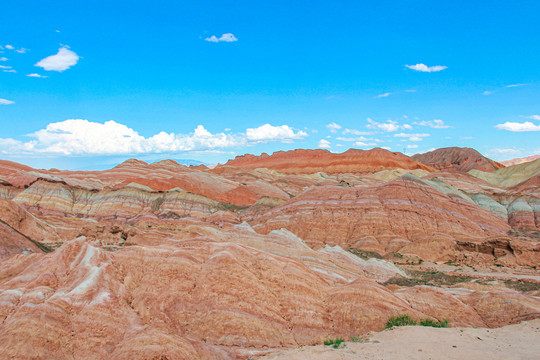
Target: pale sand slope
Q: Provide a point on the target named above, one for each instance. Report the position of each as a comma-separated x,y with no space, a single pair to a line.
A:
519,341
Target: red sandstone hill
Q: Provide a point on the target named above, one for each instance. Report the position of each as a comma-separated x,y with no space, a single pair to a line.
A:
311,161
520,160
455,158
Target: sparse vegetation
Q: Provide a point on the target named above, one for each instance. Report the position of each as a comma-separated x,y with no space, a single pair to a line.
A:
335,343
399,320
365,254
434,323
406,320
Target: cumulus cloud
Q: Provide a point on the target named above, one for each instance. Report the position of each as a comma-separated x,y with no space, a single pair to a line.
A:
425,68
268,132
333,127
518,127
533,117
4,59
435,124
6,102
83,137
34,75
61,61
388,126
412,137
228,37
10,47
324,144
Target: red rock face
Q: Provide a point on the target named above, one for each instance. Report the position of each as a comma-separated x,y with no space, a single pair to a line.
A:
454,158
311,161
404,208
520,160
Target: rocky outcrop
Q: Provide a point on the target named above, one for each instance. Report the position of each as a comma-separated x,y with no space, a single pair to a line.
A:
312,161
455,158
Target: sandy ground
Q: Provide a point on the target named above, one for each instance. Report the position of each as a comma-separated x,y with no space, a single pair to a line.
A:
519,341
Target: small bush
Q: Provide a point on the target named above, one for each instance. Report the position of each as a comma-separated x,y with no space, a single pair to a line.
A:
334,342
434,323
399,320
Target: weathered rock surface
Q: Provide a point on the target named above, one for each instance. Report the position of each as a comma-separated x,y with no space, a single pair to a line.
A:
311,161
455,158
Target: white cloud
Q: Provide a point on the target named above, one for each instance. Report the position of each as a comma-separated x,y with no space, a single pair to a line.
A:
412,137
63,60
10,71
10,47
515,85
324,144
518,127
363,144
356,132
410,91
386,148
22,50
228,37
268,132
435,124
361,138
83,137
507,151
6,102
5,67
388,126
333,127
425,68
4,59
412,146
533,117
384,95
487,92
36,75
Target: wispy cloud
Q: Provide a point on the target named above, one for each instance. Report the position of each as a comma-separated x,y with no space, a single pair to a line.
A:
412,146
515,85
533,117
228,37
518,127
35,75
435,124
61,61
5,67
412,137
10,71
384,95
356,132
425,68
4,59
324,144
9,47
333,127
6,102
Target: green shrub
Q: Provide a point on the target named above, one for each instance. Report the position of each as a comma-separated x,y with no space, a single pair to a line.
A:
334,342
399,320
434,323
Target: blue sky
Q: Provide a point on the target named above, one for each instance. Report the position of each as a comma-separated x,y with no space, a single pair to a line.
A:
210,80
